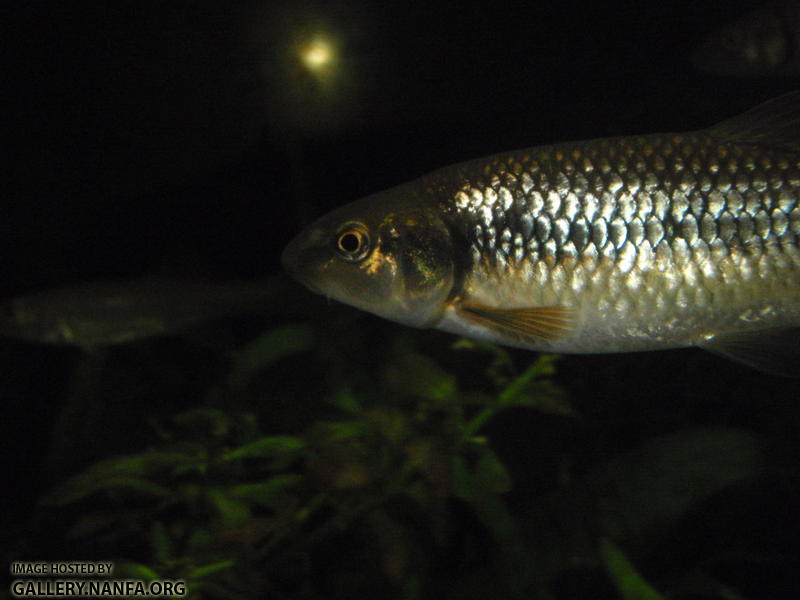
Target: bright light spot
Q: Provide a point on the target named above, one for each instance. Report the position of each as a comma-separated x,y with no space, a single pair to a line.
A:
317,55
320,56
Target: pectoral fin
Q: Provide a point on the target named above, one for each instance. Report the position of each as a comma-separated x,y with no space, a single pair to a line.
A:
532,325
775,351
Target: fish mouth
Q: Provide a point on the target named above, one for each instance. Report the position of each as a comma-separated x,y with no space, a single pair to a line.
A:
291,258
299,260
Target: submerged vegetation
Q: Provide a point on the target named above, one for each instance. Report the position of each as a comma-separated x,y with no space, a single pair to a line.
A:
322,459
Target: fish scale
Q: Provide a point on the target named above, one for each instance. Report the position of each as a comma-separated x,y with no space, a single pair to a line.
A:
659,225
609,245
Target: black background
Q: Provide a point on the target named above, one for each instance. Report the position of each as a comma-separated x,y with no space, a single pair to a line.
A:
137,129
182,137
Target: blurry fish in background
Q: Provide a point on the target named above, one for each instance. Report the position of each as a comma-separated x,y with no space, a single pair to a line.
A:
762,43
109,313
610,245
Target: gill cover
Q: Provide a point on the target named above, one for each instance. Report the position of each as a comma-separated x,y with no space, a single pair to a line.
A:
422,249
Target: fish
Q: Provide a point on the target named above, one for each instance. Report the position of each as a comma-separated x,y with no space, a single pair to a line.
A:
619,244
109,313
762,43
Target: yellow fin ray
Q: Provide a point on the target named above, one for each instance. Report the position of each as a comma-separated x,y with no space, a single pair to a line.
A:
534,324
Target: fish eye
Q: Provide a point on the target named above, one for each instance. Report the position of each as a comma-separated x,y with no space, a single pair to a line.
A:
352,243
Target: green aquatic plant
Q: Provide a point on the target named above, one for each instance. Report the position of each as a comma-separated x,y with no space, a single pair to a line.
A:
372,479
630,584
215,496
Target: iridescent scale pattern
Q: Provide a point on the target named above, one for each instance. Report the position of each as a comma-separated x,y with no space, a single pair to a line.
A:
654,241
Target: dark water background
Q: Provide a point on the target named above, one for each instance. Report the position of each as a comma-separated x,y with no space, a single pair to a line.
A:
171,137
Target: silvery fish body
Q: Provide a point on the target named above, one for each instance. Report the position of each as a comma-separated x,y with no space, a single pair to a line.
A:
106,313
609,245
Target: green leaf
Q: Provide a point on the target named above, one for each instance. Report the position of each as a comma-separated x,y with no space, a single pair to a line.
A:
642,492
278,343
629,583
79,488
464,485
515,391
475,488
652,487
531,390
128,471
474,425
335,431
392,423
501,364
198,466
491,474
347,402
209,569
274,446
309,509
272,494
416,375
160,543
233,512
544,396
491,511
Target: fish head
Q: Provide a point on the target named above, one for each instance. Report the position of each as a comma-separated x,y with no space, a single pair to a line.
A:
389,254
25,321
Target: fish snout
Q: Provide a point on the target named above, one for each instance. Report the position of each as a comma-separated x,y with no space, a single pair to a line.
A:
290,257
303,255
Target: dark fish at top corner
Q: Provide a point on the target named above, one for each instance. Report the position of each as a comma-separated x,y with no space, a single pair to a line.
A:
610,245
762,43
